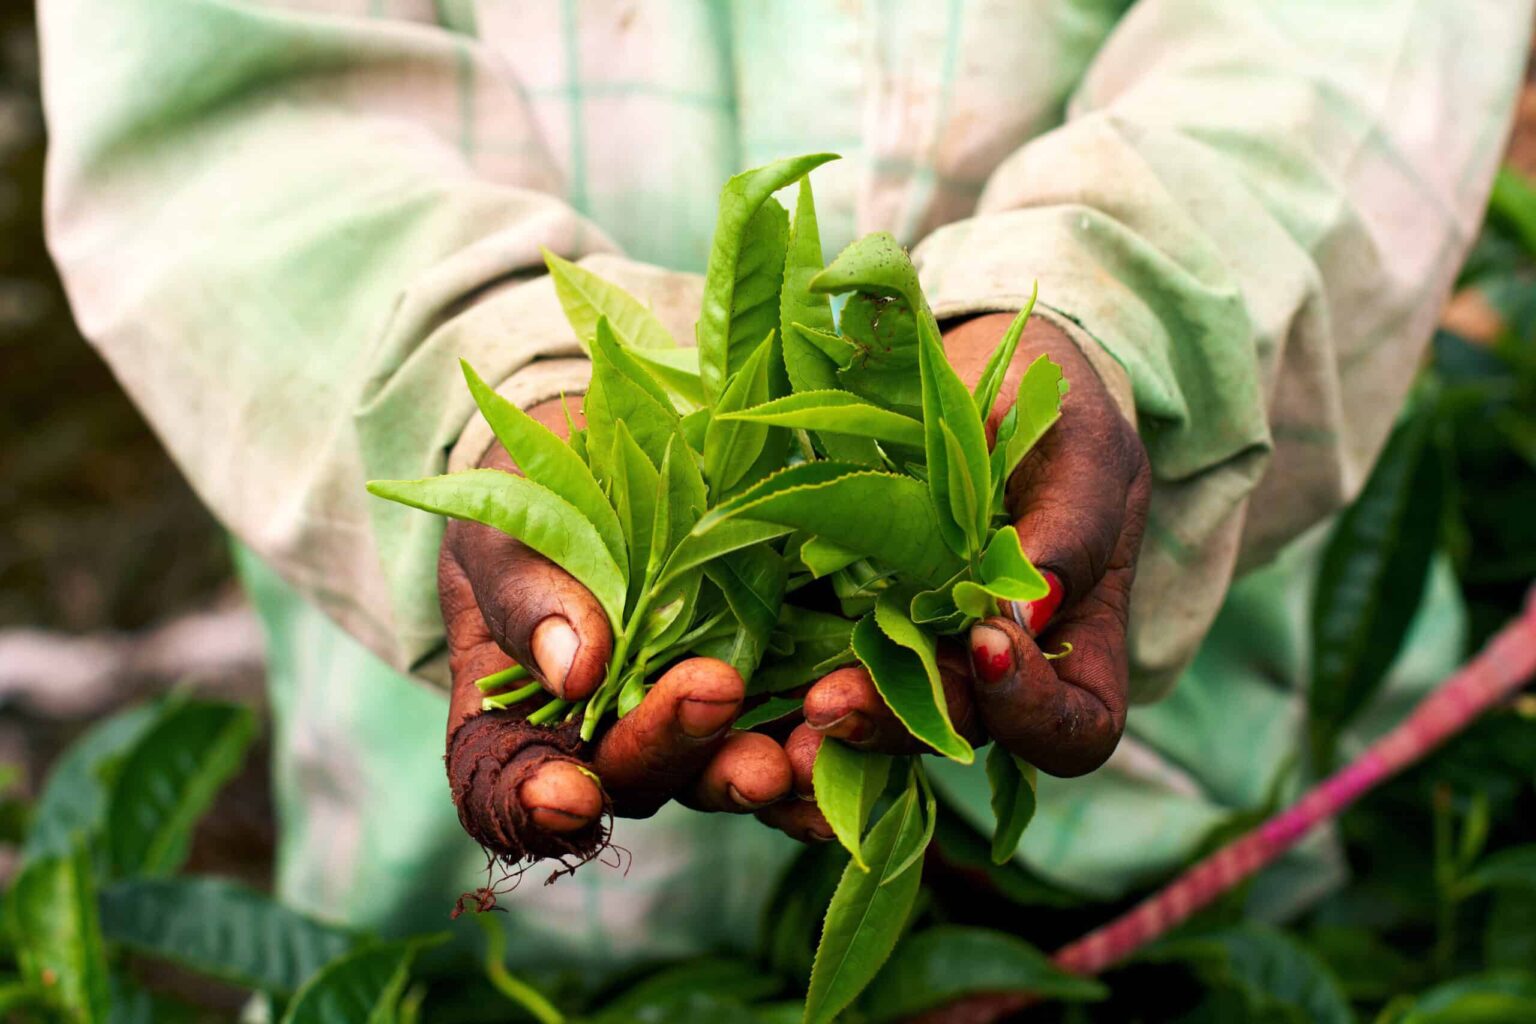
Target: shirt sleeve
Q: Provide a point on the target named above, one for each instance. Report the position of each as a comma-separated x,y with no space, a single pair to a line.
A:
282,228
1257,210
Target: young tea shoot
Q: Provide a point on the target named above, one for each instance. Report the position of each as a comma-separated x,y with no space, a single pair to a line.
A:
715,491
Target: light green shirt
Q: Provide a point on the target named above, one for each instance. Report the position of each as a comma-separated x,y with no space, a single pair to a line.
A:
283,223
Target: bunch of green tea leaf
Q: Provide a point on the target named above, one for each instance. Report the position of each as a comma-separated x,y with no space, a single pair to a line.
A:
788,451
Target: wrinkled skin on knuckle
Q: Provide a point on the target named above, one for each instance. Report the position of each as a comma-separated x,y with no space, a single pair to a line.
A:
490,758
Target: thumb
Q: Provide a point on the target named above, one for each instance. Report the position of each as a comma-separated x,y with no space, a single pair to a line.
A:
1072,496
534,610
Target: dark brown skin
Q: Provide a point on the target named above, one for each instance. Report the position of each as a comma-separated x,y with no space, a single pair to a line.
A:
1080,500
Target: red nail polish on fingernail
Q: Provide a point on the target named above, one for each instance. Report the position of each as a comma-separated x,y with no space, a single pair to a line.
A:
1034,616
991,653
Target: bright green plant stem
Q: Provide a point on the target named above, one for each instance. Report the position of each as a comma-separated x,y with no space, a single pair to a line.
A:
514,988
616,668
502,701
506,677
548,713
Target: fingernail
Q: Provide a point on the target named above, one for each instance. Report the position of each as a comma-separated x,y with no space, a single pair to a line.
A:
852,727
1034,616
991,653
561,797
820,835
701,719
741,801
554,645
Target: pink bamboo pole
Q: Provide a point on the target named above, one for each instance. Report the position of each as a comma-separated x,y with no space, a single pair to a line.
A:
1501,668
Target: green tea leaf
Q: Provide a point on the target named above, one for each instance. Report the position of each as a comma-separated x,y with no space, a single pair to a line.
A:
752,582
877,264
623,390
1013,800
220,928
1036,407
694,426
837,661
812,629
611,354
731,444
587,298
809,368
881,515
929,805
936,608
840,350
816,637
670,993
902,675
891,615
821,557
660,544
743,255
1490,997
1267,965
1005,565
795,909
168,781
885,372
542,456
74,799
805,474
1510,868
805,321
964,496
770,710
847,784
719,540
360,986
959,468
1509,937
687,495
973,600
835,412
877,350
677,369
867,912
943,964
991,380
759,277
1371,579
528,511
633,485
880,320
51,916
663,628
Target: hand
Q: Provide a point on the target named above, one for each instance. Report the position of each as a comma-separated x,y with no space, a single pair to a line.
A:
525,790
1080,504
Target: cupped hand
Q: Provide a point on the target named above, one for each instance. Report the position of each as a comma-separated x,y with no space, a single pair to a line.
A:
1080,504
531,791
